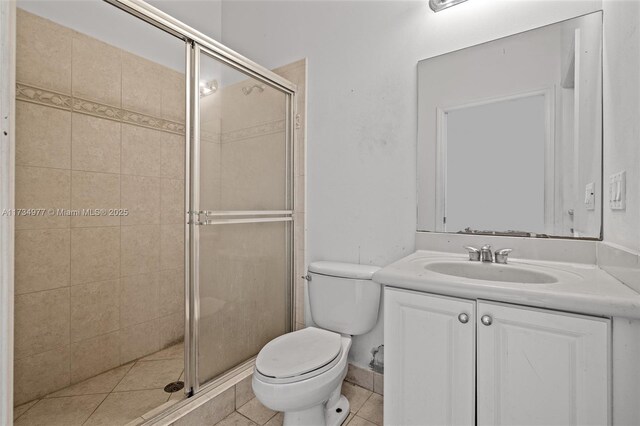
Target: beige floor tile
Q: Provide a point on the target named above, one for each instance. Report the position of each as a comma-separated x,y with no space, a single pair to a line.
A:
254,410
276,420
67,411
21,409
372,409
172,352
151,375
122,407
356,395
359,421
236,419
244,391
348,419
102,383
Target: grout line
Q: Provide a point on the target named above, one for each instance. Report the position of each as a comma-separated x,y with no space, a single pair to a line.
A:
28,409
96,409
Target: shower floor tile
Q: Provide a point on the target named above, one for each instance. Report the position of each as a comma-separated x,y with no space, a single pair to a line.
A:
113,398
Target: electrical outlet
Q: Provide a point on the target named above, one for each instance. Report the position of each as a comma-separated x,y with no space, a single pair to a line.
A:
618,191
590,196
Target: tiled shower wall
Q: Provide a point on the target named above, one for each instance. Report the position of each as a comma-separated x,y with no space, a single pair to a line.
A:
102,128
97,128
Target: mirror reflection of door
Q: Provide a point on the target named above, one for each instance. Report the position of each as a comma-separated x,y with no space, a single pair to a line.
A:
500,176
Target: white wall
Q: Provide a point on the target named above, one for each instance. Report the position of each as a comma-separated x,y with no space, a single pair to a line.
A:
622,117
361,133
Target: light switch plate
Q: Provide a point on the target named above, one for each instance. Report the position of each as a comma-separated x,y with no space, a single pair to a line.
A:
590,196
618,191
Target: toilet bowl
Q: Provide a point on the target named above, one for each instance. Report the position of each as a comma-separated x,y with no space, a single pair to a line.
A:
301,373
311,397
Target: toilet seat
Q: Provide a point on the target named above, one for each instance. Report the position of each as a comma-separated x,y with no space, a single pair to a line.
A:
299,355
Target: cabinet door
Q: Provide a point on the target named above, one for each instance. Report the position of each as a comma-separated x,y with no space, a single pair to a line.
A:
540,367
429,360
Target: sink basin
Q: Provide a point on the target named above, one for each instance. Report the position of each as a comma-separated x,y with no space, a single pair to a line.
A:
491,272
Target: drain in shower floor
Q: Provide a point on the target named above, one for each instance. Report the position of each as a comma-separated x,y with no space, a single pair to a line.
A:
174,387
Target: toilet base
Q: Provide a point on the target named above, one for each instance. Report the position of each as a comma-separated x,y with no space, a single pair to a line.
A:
319,415
337,414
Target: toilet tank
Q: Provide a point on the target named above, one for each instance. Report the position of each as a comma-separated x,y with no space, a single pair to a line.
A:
343,297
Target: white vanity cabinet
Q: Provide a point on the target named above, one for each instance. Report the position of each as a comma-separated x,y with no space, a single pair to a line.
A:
534,366
541,367
430,359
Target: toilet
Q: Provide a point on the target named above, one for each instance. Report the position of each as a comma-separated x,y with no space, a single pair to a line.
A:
301,373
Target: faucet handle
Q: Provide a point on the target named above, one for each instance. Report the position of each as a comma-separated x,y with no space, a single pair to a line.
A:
502,255
474,253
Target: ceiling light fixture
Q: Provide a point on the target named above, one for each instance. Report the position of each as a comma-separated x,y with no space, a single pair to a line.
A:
438,5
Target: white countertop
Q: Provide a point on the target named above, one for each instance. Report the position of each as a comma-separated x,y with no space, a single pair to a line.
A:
582,288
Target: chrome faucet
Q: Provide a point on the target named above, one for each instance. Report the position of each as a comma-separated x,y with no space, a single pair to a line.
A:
485,254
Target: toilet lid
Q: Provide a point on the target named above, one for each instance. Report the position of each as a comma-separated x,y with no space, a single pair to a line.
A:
297,353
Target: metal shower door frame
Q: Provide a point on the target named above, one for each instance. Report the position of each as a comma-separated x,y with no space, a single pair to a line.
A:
199,217
197,43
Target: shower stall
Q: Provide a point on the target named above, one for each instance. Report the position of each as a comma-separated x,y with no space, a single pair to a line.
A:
240,212
166,175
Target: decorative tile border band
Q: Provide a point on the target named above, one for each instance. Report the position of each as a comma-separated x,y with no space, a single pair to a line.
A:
253,131
44,97
57,100
71,103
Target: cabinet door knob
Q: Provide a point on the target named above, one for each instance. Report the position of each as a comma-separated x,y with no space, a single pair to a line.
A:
486,320
463,318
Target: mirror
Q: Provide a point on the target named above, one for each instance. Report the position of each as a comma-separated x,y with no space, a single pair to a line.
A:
510,135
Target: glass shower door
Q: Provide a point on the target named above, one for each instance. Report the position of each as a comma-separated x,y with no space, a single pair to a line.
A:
241,222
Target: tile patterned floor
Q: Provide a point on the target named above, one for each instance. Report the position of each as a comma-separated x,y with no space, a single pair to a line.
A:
365,407
112,398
